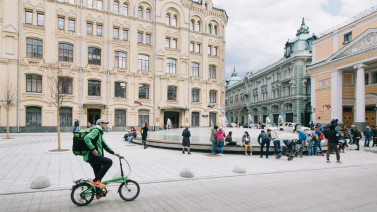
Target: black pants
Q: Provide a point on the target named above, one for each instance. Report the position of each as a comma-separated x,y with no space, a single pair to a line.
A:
100,166
332,147
267,143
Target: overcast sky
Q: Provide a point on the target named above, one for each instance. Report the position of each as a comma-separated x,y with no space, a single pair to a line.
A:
258,29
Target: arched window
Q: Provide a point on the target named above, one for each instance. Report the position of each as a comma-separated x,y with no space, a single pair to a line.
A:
215,30
125,9
168,19
198,26
174,20
209,28
116,7
148,14
192,25
140,12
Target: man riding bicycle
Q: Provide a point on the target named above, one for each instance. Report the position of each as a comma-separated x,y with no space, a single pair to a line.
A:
95,156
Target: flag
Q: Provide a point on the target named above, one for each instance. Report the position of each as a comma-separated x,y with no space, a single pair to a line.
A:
138,103
211,106
328,106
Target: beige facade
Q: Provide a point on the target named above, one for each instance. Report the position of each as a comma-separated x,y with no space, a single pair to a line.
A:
111,55
344,72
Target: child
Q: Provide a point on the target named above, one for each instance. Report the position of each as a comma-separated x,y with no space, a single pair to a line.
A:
246,142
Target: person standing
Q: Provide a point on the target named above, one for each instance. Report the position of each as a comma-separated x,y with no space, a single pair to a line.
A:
229,139
264,140
317,143
213,139
186,140
144,135
356,137
309,141
374,130
272,135
333,141
76,126
220,137
368,136
246,142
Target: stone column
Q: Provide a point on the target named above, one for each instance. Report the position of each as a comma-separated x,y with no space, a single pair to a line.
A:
337,95
359,111
312,96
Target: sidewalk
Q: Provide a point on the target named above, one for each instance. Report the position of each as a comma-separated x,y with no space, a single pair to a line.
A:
157,170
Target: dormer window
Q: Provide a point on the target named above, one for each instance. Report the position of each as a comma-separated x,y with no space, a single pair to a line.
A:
347,38
288,50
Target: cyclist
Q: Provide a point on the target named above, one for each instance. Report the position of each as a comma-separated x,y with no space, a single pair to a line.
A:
95,156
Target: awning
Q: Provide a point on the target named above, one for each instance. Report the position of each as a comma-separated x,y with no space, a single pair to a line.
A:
94,105
172,108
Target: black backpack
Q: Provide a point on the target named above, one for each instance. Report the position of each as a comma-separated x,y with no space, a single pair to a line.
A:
79,146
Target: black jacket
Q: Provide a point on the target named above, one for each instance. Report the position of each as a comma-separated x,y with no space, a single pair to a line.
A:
144,134
186,136
332,135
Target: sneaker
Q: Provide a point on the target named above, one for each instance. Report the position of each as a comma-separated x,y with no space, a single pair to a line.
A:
339,161
102,194
246,154
183,152
328,161
251,153
267,157
261,156
98,184
189,153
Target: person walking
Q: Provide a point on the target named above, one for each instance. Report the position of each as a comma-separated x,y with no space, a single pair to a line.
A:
263,140
333,141
229,139
374,130
76,126
144,134
356,137
272,135
317,141
186,140
309,141
213,139
220,136
246,142
368,133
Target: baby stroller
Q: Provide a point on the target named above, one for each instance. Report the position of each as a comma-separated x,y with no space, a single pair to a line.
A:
299,148
289,149
126,135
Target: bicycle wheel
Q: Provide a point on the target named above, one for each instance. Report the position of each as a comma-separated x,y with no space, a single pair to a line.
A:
80,196
131,193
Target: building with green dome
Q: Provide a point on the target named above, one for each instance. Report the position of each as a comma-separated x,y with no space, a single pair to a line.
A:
281,91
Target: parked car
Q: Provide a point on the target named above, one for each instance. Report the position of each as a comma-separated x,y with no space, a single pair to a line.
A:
289,127
232,125
251,125
271,126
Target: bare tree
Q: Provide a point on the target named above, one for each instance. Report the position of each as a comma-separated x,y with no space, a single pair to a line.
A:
8,101
56,93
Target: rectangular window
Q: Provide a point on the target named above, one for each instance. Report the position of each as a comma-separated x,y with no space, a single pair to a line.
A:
125,9
171,66
214,51
65,52
191,47
94,88
192,25
212,72
195,69
33,83
41,19
167,43
61,23
29,17
116,7
143,117
209,50
212,96
125,34
140,37
120,118
148,14
65,116
33,116
195,95
99,4
347,38
172,93
94,56
367,79
374,77
120,89
148,39
99,30
197,48
140,12
71,1
174,44
198,26
143,62
116,33
34,48
89,28
120,60
143,91
71,26
90,3
65,85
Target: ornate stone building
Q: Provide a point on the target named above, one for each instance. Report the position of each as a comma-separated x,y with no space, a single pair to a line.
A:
166,54
281,89
344,72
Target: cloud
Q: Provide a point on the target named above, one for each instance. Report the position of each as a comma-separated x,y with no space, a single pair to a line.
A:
258,30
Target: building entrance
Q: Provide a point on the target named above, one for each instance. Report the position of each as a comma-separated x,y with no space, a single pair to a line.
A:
370,115
276,118
93,115
174,118
289,117
347,116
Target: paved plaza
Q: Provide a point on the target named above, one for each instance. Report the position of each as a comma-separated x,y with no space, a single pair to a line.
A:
307,183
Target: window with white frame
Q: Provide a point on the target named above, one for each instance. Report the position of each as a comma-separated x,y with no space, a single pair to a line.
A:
212,71
99,30
140,12
174,21
143,62
71,25
167,43
197,48
214,51
90,3
61,23
212,96
209,28
167,19
195,95
215,30
116,7
140,37
198,26
174,44
125,9
195,69
120,60
71,1
148,38
192,25
125,34
209,50
171,66
41,19
116,33
99,4
148,14
89,28
28,17
191,47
